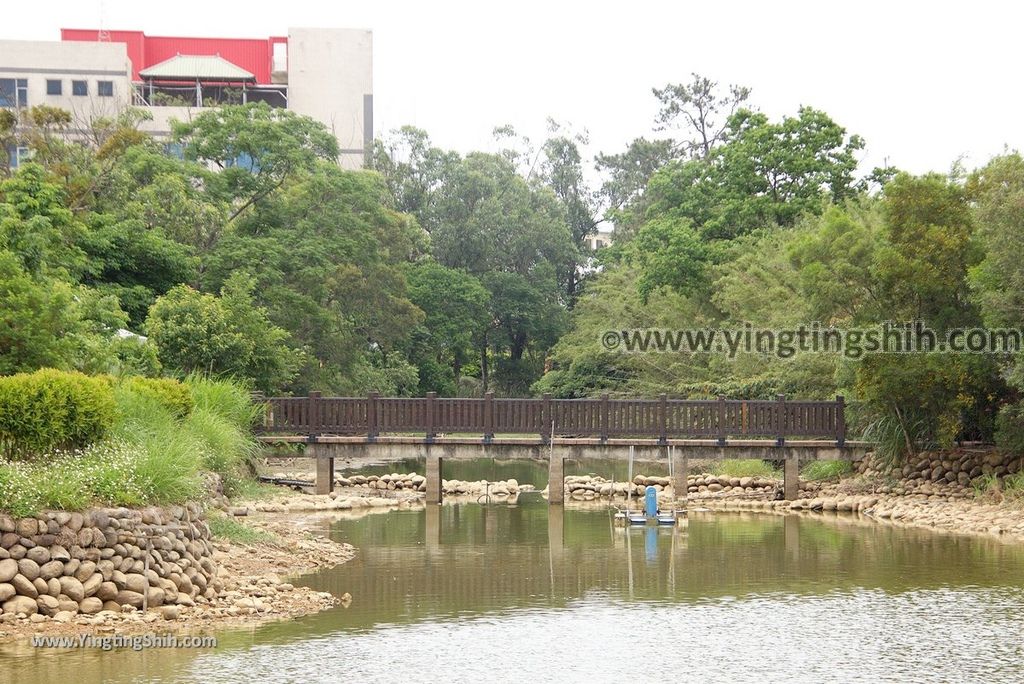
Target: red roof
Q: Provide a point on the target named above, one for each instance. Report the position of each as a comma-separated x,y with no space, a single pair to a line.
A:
252,54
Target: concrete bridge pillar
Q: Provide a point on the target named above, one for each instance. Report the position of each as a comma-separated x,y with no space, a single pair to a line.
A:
433,527
680,471
324,467
791,475
556,478
556,531
433,476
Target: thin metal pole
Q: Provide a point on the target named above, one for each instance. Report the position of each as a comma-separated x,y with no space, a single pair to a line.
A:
629,486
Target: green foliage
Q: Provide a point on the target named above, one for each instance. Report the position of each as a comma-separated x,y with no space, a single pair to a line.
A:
455,305
825,470
256,147
750,467
670,254
51,409
228,335
173,395
1010,428
763,173
229,529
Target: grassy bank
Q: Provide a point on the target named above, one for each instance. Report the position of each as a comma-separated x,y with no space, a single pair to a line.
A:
158,444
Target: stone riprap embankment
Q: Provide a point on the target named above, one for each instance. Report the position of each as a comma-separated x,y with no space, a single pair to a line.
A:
87,571
61,564
590,487
952,473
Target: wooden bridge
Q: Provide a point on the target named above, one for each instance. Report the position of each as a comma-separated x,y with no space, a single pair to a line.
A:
435,428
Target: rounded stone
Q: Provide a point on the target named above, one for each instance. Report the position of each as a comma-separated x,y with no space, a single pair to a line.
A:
58,552
6,591
52,587
8,569
27,527
21,604
136,583
91,585
107,591
85,570
72,588
52,569
66,604
90,605
47,605
39,554
24,586
29,568
130,598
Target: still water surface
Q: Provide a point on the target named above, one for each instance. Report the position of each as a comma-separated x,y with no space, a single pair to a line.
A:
473,593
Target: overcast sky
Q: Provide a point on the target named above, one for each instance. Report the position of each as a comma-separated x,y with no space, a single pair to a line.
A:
923,82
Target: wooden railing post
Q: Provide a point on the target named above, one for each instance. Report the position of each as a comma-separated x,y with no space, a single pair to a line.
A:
722,431
545,418
488,417
313,414
604,418
662,419
780,420
372,421
840,420
431,420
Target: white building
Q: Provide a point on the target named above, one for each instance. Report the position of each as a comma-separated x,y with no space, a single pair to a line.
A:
326,74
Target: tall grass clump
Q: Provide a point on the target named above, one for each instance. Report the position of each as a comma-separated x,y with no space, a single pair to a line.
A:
826,470
745,467
222,417
167,459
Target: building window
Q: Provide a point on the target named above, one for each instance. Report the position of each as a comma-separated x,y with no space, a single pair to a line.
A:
80,88
105,88
54,87
17,155
13,92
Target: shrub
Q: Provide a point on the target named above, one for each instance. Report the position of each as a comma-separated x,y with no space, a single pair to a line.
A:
1010,428
171,394
50,409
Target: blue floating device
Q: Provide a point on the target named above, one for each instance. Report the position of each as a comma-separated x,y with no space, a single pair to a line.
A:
651,501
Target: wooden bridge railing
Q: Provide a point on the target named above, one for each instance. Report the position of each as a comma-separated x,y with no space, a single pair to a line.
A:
660,418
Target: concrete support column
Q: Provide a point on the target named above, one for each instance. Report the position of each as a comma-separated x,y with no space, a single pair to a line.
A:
791,535
324,467
680,471
433,532
791,476
556,530
556,478
433,476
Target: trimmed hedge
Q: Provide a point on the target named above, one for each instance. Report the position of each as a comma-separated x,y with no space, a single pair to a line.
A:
175,396
50,409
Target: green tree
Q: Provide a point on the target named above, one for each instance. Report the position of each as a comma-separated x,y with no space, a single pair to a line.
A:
256,148
222,335
455,305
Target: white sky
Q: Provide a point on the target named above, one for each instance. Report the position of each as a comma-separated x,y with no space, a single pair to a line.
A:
923,82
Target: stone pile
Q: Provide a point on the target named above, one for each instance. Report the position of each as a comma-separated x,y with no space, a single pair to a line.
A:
958,468
499,488
392,481
60,564
587,487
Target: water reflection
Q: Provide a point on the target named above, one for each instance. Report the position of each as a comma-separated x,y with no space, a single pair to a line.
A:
474,590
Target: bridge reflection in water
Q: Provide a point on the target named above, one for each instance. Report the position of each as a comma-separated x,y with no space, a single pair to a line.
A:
461,560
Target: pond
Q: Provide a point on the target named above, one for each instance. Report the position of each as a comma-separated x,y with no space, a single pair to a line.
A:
465,592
